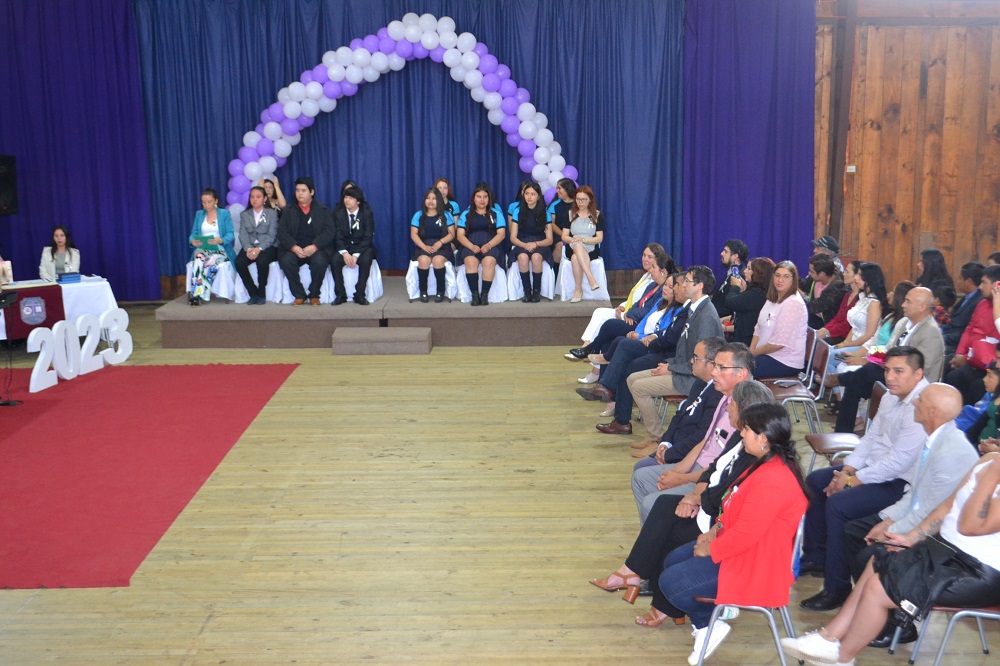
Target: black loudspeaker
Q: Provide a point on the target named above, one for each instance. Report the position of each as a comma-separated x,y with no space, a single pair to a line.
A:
8,185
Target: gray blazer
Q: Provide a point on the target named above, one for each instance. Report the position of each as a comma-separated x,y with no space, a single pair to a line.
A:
263,236
926,337
948,462
704,323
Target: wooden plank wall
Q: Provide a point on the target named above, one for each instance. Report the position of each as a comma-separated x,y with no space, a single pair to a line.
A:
924,131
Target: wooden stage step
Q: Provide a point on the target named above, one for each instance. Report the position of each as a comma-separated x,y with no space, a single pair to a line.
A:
351,341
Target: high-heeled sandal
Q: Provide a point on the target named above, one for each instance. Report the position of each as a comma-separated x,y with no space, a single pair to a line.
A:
650,619
595,286
631,590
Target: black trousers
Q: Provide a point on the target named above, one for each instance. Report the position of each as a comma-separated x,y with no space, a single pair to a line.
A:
365,259
263,262
968,380
858,552
857,387
318,263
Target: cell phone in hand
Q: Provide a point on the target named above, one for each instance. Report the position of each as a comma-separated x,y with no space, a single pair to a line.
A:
734,271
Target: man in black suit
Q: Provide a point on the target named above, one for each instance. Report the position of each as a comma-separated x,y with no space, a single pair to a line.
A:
355,224
305,234
961,314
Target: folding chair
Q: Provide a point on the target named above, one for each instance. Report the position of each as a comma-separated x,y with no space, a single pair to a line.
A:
808,391
837,444
990,613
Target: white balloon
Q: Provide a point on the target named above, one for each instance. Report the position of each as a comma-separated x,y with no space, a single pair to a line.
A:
396,30
250,139
428,22
445,24
380,61
330,58
396,62
293,139
492,101
452,58
544,137
410,18
413,33
478,93
345,56
268,164
466,42
292,110
283,95
371,74
336,72
541,120
310,108
470,60
556,162
542,155
540,173
326,105
458,73
354,74
282,148
473,79
267,176
314,90
235,210
448,39
554,148
272,131
362,57
430,40
253,171
496,116
526,112
297,91
527,130
554,176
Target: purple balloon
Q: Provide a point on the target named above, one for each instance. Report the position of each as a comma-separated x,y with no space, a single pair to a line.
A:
259,129
550,195
480,49
420,51
488,63
509,106
289,127
522,96
491,82
307,77
370,42
510,124
282,161
356,43
320,73
232,197
411,57
525,148
349,89
265,146
437,55
240,183
387,44
277,112
508,89
304,121
332,90
265,116
513,140
404,48
503,71
236,167
382,33
526,164
569,171
248,154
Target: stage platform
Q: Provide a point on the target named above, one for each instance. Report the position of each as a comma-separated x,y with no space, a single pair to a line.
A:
221,324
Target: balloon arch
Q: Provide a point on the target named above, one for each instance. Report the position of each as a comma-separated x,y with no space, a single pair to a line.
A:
266,148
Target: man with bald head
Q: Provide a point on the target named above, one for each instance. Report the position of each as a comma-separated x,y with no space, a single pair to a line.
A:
916,329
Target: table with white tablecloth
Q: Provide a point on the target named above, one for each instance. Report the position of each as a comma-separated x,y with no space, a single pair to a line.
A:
91,295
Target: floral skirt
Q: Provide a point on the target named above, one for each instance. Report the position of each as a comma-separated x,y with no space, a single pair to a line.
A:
204,267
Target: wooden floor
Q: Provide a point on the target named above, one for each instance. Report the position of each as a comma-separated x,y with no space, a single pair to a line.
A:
436,509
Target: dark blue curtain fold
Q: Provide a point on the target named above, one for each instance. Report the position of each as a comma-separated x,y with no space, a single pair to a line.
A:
72,115
607,74
748,128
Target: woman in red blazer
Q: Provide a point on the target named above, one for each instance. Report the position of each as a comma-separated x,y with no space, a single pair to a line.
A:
746,558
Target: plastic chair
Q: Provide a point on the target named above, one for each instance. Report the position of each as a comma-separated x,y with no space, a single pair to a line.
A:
837,444
275,279
498,291
413,282
373,290
224,283
515,290
565,285
989,613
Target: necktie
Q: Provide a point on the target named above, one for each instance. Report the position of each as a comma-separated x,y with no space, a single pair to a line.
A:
354,222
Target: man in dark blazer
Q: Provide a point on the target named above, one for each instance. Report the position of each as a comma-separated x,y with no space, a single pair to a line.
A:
971,275
305,234
355,224
258,234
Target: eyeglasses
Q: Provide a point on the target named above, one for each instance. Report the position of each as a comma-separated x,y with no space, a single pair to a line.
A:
584,200
727,367
779,276
689,281
699,358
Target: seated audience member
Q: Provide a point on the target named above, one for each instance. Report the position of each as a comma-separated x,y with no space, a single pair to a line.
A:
273,196
583,239
993,259
826,290
745,301
432,228
952,558
779,339
733,364
215,225
865,315
59,257
837,329
354,246
984,431
976,347
731,562
885,328
559,211
932,270
531,238
306,233
944,299
734,256
481,230
917,329
829,246
970,276
258,236
872,477
443,186
945,460
675,520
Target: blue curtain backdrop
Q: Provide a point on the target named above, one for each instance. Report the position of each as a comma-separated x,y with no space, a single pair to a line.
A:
607,74
72,115
748,128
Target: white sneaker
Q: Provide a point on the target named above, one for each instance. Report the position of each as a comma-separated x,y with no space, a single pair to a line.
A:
731,613
589,379
813,647
719,632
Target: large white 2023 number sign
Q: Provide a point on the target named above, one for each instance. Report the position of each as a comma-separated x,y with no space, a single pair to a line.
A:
61,356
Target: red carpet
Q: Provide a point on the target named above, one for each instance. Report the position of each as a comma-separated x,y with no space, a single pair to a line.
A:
93,471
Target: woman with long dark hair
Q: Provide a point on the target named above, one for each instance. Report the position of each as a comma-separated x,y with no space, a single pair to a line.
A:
432,228
59,257
481,230
273,197
779,338
531,238
933,271
865,317
558,210
746,303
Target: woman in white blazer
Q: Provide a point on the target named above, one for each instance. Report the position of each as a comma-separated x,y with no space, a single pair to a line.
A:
60,257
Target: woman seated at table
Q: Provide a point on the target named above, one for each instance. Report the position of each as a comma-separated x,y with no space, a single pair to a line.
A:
481,230
212,239
583,239
432,229
258,235
747,303
779,339
952,558
531,236
60,257
272,193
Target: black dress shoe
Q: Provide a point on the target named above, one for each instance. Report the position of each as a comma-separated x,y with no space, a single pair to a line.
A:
811,569
527,297
598,392
361,300
475,300
340,300
824,601
438,297
579,353
424,298
536,297
884,640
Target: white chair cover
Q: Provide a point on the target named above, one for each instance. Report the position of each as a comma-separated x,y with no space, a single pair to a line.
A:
565,284
224,284
515,290
413,282
498,290
276,283
373,290
281,283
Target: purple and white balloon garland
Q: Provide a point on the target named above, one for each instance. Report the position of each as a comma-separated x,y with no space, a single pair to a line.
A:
266,148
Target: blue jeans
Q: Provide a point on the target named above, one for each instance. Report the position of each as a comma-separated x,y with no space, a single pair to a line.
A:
685,577
767,368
